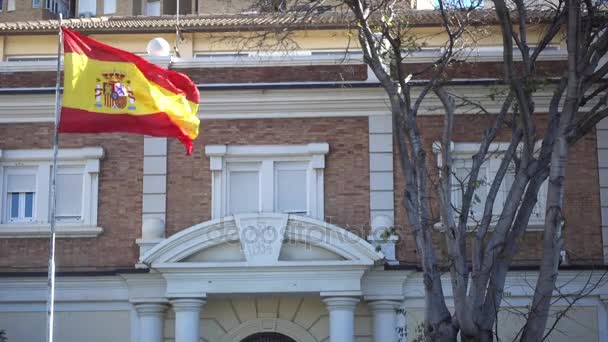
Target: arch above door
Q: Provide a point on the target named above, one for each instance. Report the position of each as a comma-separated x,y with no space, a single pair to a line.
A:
269,326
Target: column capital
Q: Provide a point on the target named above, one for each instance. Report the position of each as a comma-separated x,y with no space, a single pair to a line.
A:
188,304
150,309
337,303
383,305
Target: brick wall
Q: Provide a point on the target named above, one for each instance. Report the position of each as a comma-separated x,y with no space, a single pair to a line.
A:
346,172
312,73
24,11
120,186
583,239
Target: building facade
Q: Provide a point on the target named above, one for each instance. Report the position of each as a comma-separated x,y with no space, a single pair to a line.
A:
273,228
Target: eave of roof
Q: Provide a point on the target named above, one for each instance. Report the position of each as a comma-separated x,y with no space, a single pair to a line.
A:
232,22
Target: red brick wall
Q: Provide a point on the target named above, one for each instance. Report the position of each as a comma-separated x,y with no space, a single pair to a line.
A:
120,186
583,239
346,171
312,73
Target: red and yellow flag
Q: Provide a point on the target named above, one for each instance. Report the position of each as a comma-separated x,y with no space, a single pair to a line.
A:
109,90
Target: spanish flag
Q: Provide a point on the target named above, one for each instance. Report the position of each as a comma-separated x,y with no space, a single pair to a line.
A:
109,90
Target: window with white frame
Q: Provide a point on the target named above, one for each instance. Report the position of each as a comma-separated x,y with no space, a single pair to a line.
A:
87,8
35,3
20,194
152,8
26,188
109,6
267,178
462,164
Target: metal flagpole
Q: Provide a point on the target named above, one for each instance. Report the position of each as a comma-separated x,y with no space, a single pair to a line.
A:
177,37
50,305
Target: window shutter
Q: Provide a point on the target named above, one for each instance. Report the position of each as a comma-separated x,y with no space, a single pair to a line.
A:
21,183
290,187
69,195
11,5
244,192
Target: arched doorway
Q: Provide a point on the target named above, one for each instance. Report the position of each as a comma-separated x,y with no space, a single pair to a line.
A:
268,337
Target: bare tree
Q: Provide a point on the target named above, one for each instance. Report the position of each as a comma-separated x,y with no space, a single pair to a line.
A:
579,101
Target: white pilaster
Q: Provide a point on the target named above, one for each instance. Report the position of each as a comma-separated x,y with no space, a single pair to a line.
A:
602,160
187,319
151,321
154,193
385,320
341,318
602,319
381,186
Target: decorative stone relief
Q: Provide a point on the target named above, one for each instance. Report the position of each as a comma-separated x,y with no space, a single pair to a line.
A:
261,237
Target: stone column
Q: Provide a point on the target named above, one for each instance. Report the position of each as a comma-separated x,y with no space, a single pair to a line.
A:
341,318
385,319
151,321
187,319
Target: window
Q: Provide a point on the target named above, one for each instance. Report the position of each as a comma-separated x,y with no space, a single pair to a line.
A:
35,3
1,5
461,169
267,178
109,6
69,193
26,188
20,191
10,6
153,7
87,8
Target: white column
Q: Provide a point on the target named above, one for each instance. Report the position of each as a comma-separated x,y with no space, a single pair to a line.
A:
385,320
341,318
151,321
187,319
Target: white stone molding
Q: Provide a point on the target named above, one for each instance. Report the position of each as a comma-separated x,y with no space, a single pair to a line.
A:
86,159
151,321
299,228
154,194
187,318
280,103
341,318
602,160
313,154
280,326
385,319
352,256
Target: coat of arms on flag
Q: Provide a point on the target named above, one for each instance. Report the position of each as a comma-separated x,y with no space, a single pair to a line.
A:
114,91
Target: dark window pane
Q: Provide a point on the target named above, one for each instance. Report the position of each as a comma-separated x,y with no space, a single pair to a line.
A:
29,204
14,197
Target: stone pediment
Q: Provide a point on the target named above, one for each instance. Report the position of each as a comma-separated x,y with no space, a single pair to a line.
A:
264,239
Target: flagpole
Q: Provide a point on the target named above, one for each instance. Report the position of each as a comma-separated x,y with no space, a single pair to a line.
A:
50,305
177,38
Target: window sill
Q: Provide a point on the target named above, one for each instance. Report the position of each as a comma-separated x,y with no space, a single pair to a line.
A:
30,231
